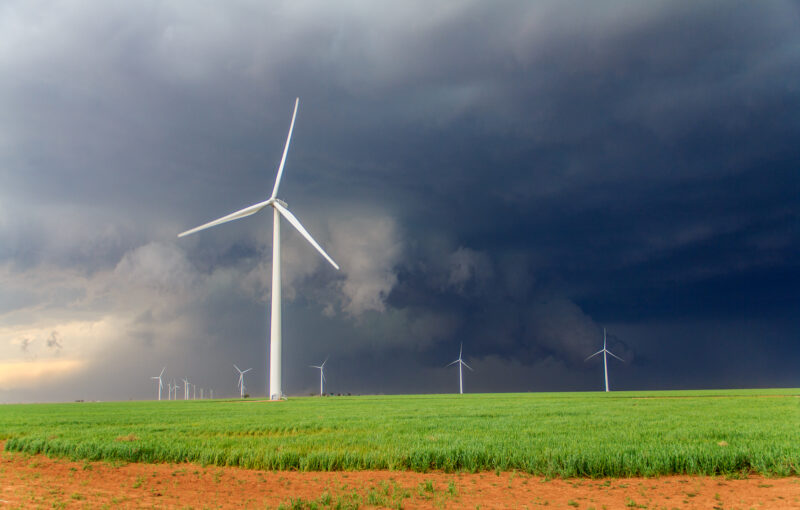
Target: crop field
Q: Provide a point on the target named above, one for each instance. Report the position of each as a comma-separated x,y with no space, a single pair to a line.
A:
619,434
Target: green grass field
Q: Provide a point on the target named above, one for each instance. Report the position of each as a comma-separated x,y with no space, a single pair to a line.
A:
552,434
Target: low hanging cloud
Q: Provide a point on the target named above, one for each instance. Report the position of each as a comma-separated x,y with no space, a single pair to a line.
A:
370,248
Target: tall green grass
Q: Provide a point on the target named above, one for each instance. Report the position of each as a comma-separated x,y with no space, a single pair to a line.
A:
554,434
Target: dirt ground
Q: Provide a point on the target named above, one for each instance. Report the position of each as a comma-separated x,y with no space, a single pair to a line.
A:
39,482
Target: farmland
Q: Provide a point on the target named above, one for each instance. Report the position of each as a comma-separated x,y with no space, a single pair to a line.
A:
618,434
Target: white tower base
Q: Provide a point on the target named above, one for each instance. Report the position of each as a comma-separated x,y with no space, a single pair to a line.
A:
275,392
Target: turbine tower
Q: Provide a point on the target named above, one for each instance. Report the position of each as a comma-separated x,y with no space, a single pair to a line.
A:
461,363
185,389
321,375
605,359
279,208
160,384
241,380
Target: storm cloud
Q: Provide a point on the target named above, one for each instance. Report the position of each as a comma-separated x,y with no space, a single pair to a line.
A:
512,176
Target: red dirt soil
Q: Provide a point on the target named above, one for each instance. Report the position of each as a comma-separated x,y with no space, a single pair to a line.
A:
37,482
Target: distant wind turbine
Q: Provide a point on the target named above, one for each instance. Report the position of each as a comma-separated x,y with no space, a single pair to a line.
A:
321,375
605,360
279,208
460,364
185,389
241,380
160,383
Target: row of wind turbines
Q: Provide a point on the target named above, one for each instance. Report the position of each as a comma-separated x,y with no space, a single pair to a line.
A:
460,361
280,208
172,388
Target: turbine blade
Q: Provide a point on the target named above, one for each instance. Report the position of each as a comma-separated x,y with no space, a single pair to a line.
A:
237,368
465,364
249,369
453,363
242,213
612,354
285,150
296,224
162,372
593,355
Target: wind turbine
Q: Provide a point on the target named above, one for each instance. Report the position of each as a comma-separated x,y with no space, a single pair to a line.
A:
185,389
279,208
241,380
321,374
160,384
460,364
605,360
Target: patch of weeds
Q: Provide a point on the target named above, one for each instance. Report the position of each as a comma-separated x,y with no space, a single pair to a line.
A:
425,489
572,502
325,499
77,496
633,504
139,481
87,466
451,489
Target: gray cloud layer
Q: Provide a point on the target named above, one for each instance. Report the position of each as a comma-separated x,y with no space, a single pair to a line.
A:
514,176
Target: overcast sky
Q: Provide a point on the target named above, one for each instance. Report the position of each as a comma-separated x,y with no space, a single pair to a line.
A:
515,176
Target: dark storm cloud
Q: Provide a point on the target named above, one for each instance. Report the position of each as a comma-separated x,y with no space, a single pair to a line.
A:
511,176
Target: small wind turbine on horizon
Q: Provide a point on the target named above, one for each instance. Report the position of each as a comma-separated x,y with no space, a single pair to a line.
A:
241,380
605,360
321,375
461,363
279,208
185,389
160,384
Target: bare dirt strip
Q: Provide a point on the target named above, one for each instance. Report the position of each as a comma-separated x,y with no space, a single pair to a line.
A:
39,482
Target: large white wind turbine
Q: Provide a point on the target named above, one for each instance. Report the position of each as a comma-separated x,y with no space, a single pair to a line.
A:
241,379
279,208
461,363
321,375
605,360
160,384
